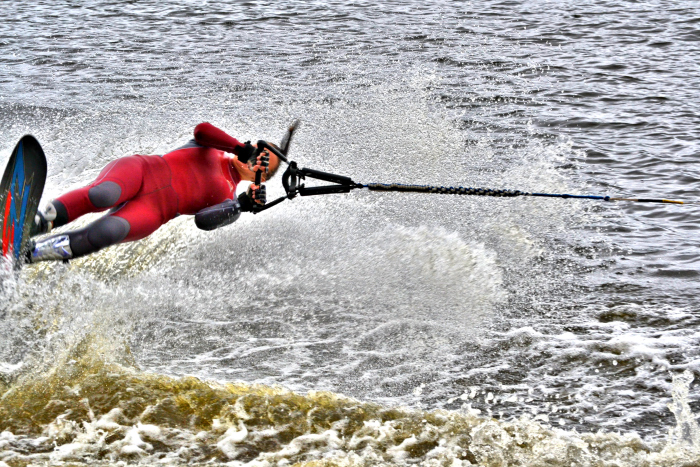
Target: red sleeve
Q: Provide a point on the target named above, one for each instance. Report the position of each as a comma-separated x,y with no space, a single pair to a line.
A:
210,136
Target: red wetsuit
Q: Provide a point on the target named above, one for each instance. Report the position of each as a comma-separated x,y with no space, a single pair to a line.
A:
155,189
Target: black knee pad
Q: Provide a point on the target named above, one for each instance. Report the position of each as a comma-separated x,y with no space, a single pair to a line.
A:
105,194
102,233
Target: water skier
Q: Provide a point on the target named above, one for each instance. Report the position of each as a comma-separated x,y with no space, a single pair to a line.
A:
144,192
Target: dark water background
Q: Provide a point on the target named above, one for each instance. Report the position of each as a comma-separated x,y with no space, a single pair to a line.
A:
577,310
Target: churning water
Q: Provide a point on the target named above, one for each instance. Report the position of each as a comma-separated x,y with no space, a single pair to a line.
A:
367,328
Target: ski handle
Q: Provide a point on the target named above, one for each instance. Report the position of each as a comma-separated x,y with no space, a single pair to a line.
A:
260,147
293,176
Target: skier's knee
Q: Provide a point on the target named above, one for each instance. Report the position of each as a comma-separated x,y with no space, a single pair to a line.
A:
105,194
108,231
102,233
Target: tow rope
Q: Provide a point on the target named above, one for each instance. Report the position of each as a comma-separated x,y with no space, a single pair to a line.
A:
293,178
459,190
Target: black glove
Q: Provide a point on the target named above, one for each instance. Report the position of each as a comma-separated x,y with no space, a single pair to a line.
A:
246,153
258,194
262,162
251,198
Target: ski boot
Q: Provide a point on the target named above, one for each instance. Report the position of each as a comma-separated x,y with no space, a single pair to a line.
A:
43,221
52,248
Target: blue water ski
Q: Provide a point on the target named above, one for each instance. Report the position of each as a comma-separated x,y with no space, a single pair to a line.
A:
20,192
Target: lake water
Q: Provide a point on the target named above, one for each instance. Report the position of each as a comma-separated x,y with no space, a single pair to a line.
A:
462,329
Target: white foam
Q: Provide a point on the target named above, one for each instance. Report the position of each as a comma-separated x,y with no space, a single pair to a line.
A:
227,443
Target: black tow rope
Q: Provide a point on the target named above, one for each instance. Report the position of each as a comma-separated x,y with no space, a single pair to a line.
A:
293,178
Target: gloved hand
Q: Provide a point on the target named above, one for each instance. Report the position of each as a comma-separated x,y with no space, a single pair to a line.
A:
262,162
246,153
256,195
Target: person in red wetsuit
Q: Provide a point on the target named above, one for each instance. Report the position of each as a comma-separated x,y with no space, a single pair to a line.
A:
144,192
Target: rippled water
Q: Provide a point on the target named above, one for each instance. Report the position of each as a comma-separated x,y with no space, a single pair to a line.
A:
576,314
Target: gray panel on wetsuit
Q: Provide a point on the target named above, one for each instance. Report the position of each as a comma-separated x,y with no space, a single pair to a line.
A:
105,194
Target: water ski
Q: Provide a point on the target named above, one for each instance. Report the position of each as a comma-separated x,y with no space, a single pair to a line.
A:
20,192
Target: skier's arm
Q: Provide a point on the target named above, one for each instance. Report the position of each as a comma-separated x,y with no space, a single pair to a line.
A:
218,215
208,135
229,211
